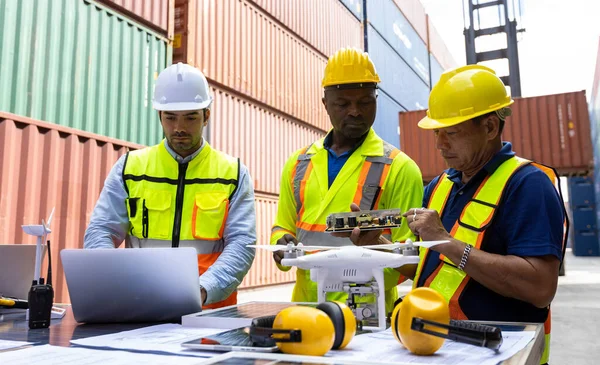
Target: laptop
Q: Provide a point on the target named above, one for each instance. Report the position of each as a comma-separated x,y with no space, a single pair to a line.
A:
17,267
133,284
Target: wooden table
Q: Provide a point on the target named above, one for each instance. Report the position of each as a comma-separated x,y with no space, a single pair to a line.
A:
14,327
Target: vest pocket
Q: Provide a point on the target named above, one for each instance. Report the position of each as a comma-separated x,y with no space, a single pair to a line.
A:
210,213
135,213
156,214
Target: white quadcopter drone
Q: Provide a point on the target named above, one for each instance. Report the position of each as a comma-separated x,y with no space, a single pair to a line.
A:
356,270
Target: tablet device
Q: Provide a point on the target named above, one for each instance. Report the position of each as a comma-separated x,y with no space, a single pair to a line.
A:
237,339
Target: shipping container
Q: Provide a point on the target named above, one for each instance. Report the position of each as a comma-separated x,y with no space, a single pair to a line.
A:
388,21
327,25
414,11
355,7
438,47
156,14
436,70
386,120
263,270
550,129
239,47
262,139
47,166
81,65
180,28
586,243
398,80
50,166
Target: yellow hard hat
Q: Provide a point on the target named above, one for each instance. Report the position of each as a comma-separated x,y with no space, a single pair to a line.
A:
464,93
423,303
350,66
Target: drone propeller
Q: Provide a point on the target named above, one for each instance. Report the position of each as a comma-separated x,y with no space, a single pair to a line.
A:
408,243
291,247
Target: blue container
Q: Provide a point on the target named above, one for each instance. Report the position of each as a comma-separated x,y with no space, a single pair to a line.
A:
585,243
398,80
581,191
388,20
436,70
584,218
355,7
387,120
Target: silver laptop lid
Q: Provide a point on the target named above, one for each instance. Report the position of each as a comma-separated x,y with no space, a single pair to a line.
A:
132,285
17,266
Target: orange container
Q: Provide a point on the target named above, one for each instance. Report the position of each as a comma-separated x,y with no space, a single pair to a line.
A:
262,138
153,13
239,47
327,25
550,129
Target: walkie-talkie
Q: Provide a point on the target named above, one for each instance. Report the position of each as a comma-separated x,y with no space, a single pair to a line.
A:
41,297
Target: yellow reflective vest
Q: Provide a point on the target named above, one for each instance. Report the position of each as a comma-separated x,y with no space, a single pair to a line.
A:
470,228
376,176
180,205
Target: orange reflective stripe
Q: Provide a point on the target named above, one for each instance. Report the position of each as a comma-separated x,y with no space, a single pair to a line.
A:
204,262
361,182
303,186
548,322
311,227
302,151
455,310
230,300
276,229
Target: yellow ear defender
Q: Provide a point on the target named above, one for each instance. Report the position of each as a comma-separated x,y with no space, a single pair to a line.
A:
421,322
303,330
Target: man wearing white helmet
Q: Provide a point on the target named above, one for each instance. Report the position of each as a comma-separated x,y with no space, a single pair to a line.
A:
182,193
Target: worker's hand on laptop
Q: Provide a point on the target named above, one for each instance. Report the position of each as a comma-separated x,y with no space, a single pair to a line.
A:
203,295
363,238
287,238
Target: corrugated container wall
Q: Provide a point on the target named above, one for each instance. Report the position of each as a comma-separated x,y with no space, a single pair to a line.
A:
595,127
262,139
388,21
355,6
436,70
327,25
263,270
414,11
551,129
154,13
80,65
438,47
398,80
43,166
239,46
386,120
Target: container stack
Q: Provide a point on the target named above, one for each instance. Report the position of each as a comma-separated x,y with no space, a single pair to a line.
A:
264,60
77,80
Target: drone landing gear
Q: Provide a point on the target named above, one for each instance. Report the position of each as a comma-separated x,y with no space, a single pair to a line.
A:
366,313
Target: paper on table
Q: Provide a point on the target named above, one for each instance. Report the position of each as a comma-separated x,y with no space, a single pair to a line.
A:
55,355
7,345
382,346
162,338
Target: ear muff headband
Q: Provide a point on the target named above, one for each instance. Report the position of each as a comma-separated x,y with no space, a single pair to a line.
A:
334,311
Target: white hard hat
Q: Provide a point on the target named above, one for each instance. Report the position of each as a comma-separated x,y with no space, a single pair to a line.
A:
181,87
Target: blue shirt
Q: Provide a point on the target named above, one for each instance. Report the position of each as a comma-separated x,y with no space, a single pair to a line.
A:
335,162
528,223
109,225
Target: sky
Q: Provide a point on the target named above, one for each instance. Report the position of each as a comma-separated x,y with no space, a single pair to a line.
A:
557,51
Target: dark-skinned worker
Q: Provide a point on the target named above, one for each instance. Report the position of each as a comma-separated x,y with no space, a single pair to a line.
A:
503,215
351,165
182,192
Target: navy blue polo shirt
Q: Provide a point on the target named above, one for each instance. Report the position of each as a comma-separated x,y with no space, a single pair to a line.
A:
335,162
528,222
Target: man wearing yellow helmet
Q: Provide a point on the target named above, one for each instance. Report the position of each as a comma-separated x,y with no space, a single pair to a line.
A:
350,165
503,214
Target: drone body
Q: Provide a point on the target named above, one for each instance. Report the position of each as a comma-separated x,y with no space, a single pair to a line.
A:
356,270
